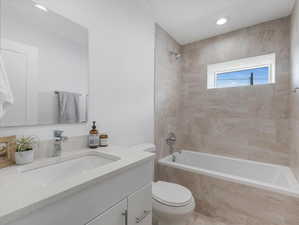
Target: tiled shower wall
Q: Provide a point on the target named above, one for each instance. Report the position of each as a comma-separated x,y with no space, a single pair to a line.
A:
294,99
244,122
168,81
247,122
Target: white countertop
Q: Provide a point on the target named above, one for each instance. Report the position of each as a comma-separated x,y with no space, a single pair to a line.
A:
18,196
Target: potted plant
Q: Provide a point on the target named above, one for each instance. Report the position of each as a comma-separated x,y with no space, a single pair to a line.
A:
25,150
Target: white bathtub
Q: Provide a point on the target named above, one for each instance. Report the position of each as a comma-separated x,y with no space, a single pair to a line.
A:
261,175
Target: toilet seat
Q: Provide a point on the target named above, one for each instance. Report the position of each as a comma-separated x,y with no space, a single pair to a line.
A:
172,195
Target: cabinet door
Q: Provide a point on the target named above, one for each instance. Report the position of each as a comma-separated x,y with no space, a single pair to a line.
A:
117,215
140,207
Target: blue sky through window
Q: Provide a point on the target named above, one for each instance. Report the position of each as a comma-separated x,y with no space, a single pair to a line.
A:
242,77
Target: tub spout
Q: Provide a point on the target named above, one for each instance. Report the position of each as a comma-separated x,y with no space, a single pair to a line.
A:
171,140
173,158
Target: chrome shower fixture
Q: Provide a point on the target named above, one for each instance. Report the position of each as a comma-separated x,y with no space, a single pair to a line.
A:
175,54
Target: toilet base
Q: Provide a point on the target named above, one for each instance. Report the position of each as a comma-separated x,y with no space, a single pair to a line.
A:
168,219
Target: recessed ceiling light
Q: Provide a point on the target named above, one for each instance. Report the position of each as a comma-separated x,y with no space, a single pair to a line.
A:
41,7
221,21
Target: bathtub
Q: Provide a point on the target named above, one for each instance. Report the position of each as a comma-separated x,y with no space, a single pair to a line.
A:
275,178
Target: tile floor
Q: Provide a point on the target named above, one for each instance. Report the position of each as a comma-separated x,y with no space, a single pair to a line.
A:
199,219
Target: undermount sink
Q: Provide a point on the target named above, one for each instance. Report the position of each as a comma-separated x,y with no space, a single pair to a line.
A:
62,168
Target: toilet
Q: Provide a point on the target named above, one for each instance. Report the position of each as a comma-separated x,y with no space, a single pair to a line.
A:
173,204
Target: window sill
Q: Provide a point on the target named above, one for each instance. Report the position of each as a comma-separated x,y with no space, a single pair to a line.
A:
249,86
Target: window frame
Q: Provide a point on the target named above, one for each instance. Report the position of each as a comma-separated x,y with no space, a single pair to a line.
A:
241,64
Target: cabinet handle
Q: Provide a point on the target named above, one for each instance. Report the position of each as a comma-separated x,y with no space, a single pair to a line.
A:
145,214
125,214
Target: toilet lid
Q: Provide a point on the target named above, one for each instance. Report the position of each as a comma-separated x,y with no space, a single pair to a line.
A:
171,194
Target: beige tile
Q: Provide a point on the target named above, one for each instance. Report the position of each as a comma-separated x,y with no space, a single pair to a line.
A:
294,97
168,79
199,219
233,202
243,122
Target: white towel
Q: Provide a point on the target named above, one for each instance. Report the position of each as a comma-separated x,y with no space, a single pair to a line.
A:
6,96
68,103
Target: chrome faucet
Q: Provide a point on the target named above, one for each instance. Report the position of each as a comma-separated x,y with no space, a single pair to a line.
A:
171,140
58,141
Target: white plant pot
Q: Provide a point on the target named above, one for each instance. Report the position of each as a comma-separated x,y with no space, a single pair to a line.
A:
24,157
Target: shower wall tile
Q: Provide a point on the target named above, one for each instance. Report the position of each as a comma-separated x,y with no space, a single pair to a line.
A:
243,122
235,203
294,99
168,85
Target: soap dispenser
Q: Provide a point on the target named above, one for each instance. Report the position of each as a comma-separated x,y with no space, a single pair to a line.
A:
93,139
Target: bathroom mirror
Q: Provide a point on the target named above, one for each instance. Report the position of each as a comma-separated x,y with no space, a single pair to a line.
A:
45,59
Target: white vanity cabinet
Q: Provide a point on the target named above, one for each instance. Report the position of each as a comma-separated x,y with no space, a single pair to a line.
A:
100,202
117,215
140,207
136,209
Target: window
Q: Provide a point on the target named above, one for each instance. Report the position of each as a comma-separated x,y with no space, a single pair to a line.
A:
244,72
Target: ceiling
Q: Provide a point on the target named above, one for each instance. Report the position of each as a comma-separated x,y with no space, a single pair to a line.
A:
192,20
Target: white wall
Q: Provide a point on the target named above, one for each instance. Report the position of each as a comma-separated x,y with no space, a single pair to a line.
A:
121,69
